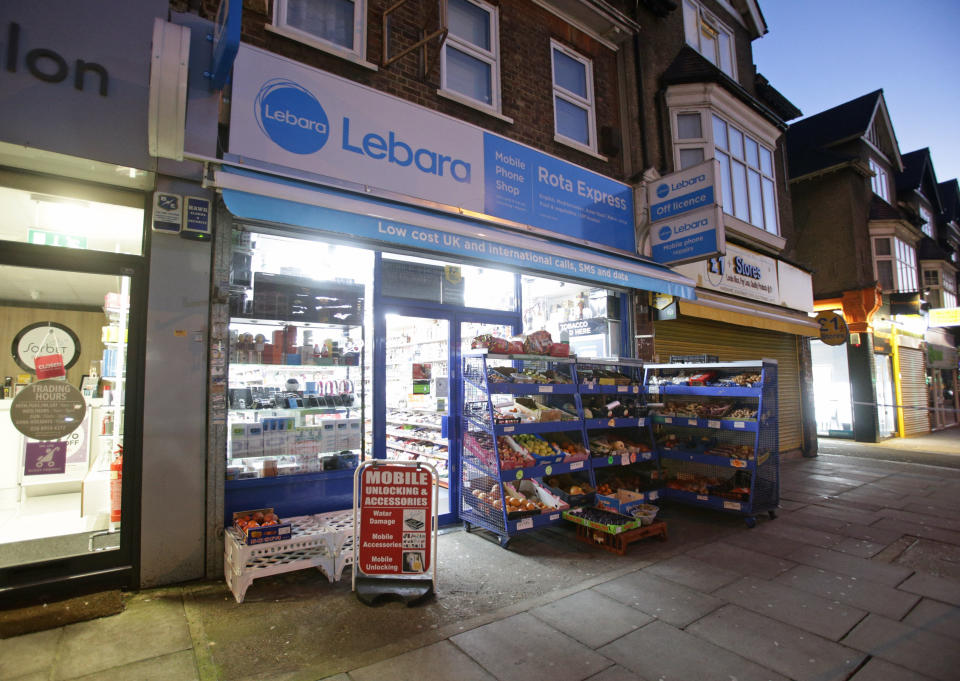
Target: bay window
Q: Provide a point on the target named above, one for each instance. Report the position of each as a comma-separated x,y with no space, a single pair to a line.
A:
895,262
747,181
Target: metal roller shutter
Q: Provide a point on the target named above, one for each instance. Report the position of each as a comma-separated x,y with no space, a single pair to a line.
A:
729,343
913,387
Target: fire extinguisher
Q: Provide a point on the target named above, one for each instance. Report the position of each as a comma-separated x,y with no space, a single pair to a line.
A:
116,485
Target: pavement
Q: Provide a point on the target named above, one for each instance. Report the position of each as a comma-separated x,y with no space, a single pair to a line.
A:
858,578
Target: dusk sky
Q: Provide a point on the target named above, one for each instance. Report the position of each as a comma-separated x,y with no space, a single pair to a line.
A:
821,53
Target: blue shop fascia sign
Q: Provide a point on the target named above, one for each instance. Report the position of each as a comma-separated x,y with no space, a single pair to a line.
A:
285,114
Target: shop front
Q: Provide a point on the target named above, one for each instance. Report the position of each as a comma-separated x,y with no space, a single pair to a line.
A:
74,276
748,305
356,275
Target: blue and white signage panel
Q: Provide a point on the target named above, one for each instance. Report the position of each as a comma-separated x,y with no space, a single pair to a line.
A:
690,236
286,114
533,188
684,191
496,248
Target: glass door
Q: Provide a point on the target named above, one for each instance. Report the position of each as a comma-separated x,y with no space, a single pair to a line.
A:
417,392
886,401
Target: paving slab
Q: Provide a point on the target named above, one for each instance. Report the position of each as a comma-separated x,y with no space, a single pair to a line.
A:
522,648
693,573
661,598
28,653
916,649
858,547
871,533
181,666
615,673
891,575
665,653
793,652
788,528
591,618
845,514
932,520
937,588
149,627
935,616
441,661
824,617
860,593
790,505
881,670
915,530
769,543
741,560
932,557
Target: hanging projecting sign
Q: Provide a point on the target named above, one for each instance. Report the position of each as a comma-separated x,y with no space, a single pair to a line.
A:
287,114
45,338
833,328
686,221
48,410
740,272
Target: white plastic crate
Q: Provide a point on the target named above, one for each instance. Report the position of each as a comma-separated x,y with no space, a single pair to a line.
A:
315,541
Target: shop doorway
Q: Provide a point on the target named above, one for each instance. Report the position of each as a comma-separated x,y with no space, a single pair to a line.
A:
422,397
886,400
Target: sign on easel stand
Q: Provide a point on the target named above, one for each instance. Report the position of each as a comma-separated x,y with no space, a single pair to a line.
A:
395,516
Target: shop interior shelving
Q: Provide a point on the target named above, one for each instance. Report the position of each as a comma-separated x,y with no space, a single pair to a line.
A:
620,430
716,434
418,434
329,391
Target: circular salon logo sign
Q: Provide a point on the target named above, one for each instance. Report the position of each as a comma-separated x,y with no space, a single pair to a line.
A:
662,191
291,116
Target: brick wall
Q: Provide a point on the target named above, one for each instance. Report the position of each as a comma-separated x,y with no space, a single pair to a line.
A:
525,68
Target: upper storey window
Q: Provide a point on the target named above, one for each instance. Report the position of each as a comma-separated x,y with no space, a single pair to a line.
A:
336,26
470,66
709,37
880,181
573,103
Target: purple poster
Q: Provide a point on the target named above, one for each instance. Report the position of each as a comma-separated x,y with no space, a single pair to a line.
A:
45,458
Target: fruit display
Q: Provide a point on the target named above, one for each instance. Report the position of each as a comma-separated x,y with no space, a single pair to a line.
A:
637,478
512,375
572,488
536,343
598,376
512,455
730,451
521,500
616,444
567,446
260,526
537,446
743,414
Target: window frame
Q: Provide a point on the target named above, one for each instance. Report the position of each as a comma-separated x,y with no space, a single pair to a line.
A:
899,265
357,54
491,57
945,285
927,216
705,20
880,179
589,105
708,143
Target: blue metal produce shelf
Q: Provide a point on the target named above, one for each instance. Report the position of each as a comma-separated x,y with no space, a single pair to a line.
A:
592,424
696,457
745,426
717,391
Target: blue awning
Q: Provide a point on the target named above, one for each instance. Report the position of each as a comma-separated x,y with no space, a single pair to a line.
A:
257,196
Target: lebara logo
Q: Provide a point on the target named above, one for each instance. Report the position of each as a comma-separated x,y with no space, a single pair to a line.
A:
291,116
665,233
662,191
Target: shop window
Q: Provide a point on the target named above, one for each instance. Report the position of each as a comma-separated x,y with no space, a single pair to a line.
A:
470,67
337,26
585,316
709,37
72,329
896,264
880,181
50,220
927,218
454,284
574,108
300,355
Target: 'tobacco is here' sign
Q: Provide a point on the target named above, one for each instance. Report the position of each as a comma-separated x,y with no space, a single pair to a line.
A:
396,508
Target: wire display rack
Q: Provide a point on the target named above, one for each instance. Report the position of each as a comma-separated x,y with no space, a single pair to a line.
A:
716,433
